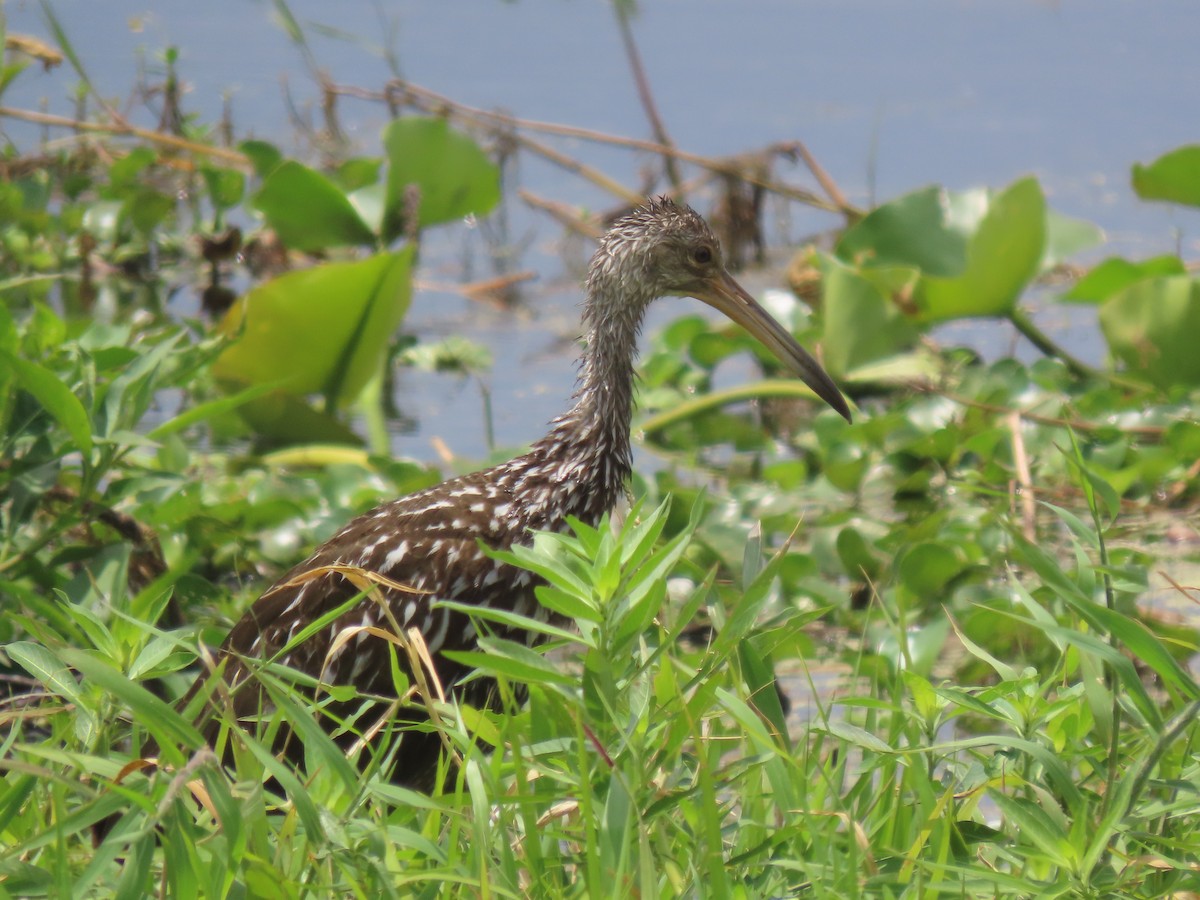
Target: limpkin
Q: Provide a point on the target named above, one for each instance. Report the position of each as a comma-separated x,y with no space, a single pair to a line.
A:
426,545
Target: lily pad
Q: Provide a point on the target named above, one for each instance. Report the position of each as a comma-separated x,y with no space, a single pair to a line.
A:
918,229
264,157
862,324
453,174
1174,176
308,211
57,399
1066,236
1115,274
284,419
928,567
323,329
357,173
1152,325
857,558
226,187
1002,257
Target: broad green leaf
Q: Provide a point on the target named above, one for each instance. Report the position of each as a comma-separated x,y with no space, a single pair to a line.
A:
1183,437
914,230
308,211
855,555
846,463
926,644
454,176
711,347
55,396
925,699
225,186
928,567
1002,257
369,203
324,329
1152,325
357,173
965,210
208,409
862,325
147,208
1174,176
1066,236
124,174
157,650
548,557
1115,274
569,605
262,155
286,419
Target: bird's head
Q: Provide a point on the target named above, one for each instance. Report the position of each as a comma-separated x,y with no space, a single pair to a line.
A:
664,249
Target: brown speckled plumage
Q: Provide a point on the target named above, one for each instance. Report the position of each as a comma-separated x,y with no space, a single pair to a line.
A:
428,541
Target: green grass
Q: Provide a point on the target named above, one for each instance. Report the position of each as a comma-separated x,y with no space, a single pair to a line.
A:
646,765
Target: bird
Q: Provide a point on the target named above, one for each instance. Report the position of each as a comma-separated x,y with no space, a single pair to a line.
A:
425,547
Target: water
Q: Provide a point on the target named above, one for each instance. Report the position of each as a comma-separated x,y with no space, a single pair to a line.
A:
887,95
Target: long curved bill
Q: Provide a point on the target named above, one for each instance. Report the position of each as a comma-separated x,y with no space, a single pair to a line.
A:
726,295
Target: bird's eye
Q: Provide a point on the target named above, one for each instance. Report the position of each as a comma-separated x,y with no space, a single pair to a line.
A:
702,256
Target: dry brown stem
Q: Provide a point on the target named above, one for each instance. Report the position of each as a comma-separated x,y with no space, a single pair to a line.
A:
399,93
231,157
645,94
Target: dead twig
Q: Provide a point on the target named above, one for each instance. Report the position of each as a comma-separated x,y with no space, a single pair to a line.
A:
828,185
562,213
488,290
644,93
1023,486
231,157
34,48
583,170
398,93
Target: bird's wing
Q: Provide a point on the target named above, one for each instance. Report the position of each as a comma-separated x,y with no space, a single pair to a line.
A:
398,560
